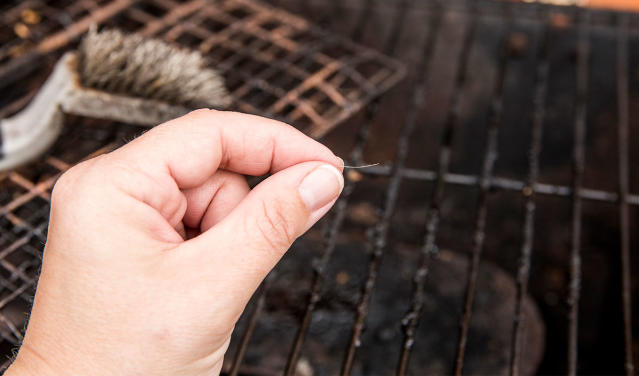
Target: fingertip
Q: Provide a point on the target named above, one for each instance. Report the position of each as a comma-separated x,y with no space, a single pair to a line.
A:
340,164
318,214
338,175
320,186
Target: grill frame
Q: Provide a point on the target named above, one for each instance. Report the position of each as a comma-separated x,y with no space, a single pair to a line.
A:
529,188
487,183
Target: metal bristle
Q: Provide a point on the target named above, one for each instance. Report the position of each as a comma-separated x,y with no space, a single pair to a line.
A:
149,68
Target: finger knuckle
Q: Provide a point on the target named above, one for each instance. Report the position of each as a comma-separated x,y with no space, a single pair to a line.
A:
277,226
82,181
199,113
232,179
67,184
62,185
194,117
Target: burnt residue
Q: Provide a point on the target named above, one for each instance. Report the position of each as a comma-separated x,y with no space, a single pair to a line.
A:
344,299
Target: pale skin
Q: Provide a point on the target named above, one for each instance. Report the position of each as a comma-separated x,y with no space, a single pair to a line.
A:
154,249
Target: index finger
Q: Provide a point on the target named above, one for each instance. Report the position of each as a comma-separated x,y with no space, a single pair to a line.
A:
191,148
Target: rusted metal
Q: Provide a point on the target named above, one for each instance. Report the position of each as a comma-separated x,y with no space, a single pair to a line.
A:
378,241
624,216
488,166
507,184
334,227
18,67
528,229
433,216
250,42
578,161
265,42
248,332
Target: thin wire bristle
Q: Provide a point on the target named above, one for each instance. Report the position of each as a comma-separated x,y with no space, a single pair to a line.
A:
149,68
364,166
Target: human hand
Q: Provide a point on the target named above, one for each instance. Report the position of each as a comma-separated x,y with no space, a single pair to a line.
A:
121,290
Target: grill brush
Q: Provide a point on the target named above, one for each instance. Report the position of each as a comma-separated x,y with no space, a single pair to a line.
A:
113,76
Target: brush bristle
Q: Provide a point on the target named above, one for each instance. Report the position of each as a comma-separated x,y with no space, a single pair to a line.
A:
149,68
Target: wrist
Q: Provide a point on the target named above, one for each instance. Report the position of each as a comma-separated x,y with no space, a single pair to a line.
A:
27,363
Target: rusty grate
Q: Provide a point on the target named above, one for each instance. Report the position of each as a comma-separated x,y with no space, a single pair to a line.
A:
533,31
519,177
276,64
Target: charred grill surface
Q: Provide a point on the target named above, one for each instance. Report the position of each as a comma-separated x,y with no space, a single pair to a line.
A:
504,202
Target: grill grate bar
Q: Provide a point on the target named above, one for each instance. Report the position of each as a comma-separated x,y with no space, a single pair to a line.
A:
367,9
502,183
333,79
330,241
523,272
248,332
284,64
624,220
332,230
320,270
330,236
18,68
429,248
490,156
380,231
578,161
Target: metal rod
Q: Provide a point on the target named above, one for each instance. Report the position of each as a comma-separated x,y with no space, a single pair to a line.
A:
624,219
578,161
523,271
334,227
411,320
490,156
319,275
333,231
361,23
18,68
330,241
248,332
381,229
501,183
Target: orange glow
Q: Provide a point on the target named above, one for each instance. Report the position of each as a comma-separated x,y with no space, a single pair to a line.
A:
628,5
615,4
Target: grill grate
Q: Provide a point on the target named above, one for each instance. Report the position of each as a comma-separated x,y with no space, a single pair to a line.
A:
486,184
435,151
276,64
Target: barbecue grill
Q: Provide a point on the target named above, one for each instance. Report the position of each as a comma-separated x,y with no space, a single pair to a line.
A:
494,237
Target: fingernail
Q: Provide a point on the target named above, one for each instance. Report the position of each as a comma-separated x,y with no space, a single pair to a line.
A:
321,186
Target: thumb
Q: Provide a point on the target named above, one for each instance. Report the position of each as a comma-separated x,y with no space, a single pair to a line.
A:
257,233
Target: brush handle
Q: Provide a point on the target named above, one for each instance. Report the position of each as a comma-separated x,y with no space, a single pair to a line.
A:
130,110
33,130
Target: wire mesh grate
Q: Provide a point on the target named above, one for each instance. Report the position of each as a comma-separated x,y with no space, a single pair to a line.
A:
276,64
